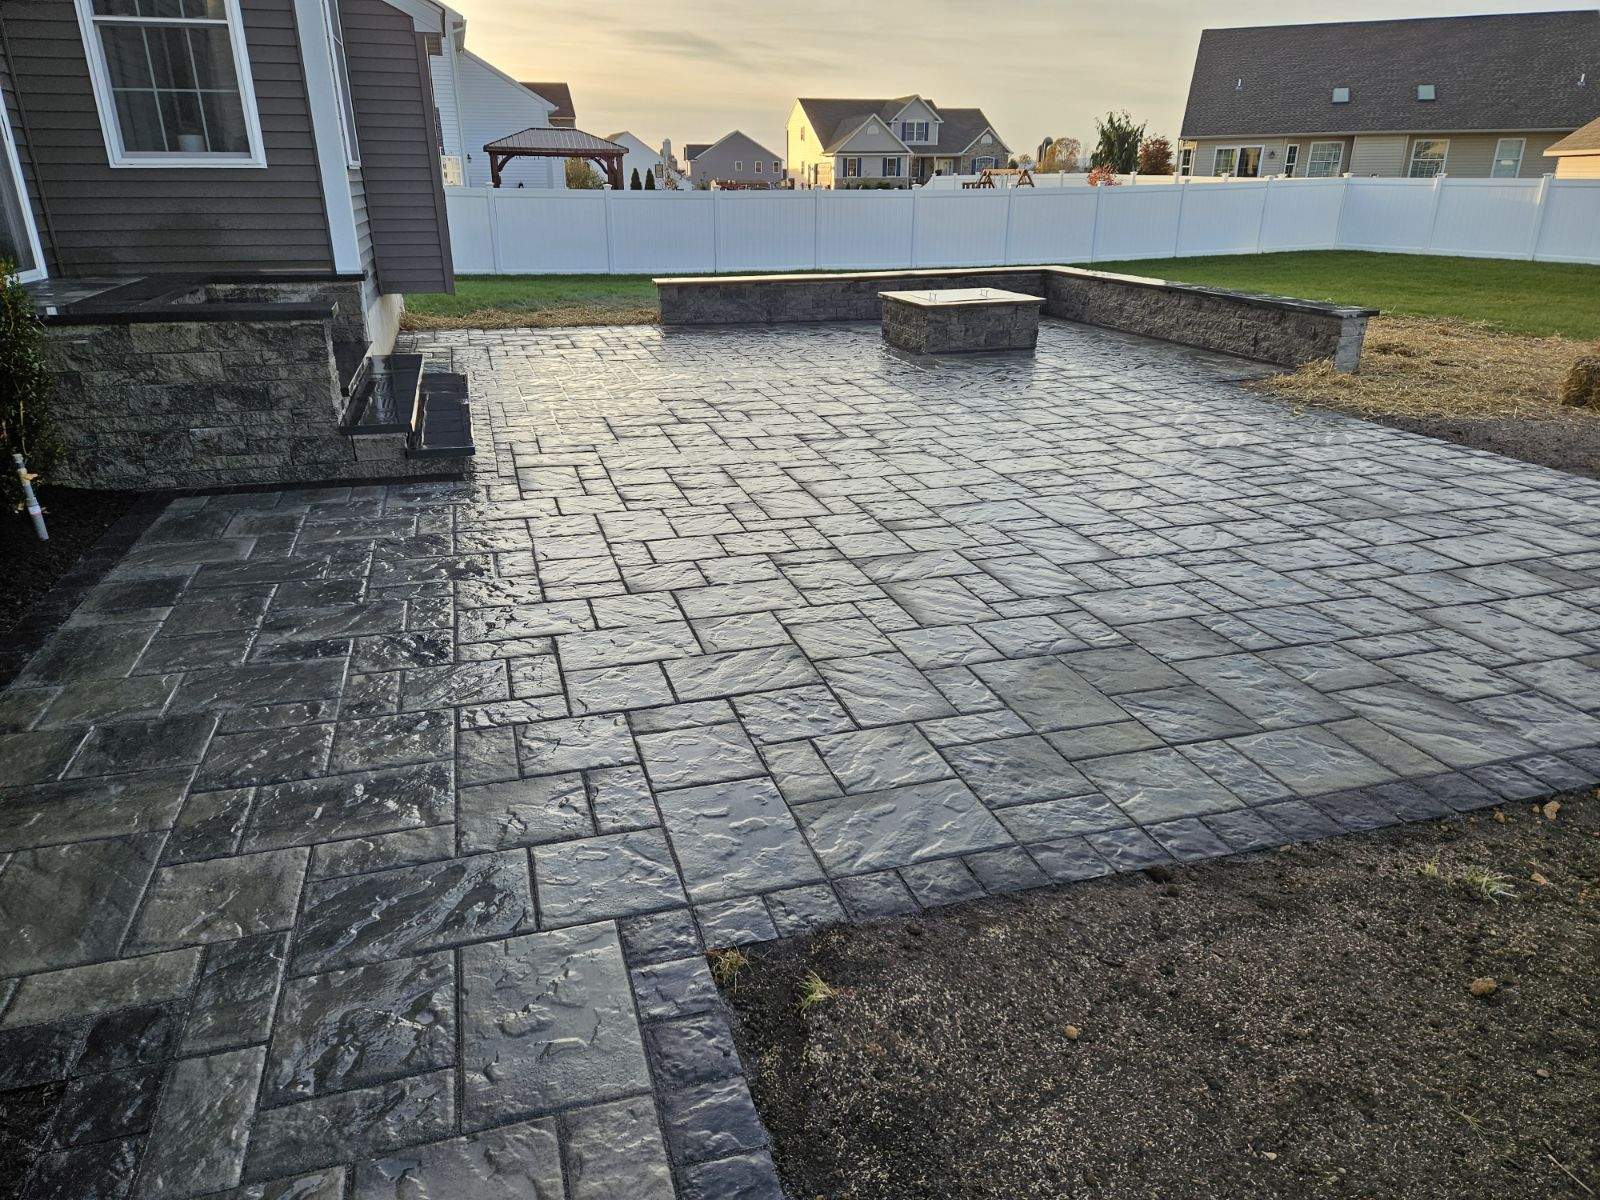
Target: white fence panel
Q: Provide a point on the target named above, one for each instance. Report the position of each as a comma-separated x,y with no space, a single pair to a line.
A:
554,232
1387,214
1302,214
471,235
517,230
1224,219
765,231
1492,218
1138,222
960,230
1055,226
864,229
1570,227
657,234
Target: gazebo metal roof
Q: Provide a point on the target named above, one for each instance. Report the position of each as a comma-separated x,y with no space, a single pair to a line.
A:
541,142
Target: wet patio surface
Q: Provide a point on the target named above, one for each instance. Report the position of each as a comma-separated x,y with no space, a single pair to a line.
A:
365,842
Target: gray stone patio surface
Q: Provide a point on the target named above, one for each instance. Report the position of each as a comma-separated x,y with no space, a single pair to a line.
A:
364,843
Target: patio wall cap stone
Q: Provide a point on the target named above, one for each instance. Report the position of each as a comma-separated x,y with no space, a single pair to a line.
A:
1170,285
961,297
177,314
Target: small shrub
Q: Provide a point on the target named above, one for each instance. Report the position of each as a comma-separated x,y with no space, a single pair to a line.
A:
1103,176
650,180
633,182
26,383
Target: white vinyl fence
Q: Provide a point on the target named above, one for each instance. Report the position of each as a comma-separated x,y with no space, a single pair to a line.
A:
524,231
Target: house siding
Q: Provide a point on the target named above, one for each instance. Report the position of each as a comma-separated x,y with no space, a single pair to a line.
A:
1471,155
717,162
404,196
108,221
1577,166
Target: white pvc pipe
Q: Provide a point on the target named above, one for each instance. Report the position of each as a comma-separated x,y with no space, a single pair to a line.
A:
34,510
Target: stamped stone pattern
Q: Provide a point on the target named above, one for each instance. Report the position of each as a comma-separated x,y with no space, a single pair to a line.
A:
367,841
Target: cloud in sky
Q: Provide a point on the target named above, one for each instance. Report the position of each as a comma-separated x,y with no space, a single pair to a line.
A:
691,70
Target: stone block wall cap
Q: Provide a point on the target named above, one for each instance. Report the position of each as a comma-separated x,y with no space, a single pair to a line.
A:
1257,298
837,276
961,298
177,314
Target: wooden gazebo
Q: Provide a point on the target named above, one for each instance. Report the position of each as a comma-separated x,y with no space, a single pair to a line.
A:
557,143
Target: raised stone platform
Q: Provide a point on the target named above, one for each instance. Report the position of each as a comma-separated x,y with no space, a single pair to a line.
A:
960,320
1274,329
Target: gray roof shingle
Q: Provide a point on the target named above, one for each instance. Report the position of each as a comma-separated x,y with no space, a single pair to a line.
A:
836,119
1511,71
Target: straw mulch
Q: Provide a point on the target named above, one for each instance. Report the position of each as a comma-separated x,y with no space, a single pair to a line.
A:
1418,367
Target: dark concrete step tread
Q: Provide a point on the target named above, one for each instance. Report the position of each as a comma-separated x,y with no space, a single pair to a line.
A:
392,400
446,429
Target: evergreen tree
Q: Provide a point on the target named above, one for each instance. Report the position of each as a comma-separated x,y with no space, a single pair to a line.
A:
633,183
1118,145
650,181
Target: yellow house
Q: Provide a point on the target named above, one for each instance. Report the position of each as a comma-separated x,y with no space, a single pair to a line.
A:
1578,155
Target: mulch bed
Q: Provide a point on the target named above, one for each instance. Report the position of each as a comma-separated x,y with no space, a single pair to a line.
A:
89,532
1291,1023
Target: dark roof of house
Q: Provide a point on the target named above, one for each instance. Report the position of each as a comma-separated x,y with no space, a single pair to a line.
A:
1584,141
560,95
542,140
1506,71
836,119
693,150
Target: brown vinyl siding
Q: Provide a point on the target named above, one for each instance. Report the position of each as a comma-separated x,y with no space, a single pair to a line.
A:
404,193
121,221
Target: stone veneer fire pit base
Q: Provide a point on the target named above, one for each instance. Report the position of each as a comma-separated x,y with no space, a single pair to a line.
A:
1273,329
960,320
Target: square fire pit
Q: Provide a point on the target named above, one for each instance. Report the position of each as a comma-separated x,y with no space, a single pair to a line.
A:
960,320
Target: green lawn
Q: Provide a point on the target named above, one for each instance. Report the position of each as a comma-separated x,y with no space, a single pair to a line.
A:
1519,297
537,293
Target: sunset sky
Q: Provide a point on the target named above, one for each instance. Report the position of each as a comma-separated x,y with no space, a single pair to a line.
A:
692,70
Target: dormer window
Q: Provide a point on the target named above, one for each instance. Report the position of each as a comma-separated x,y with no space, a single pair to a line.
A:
1341,95
1425,91
913,131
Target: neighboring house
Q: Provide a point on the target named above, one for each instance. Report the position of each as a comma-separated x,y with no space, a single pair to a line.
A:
896,142
1578,155
645,159
1474,96
478,103
220,239
563,115
732,158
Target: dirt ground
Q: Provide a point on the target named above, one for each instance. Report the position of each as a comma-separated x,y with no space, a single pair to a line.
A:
1299,1023
1464,383
76,520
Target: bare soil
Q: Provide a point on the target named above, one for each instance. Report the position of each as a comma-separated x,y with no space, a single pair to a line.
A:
76,520
1292,1023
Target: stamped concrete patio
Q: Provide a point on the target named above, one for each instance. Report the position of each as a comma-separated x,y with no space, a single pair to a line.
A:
364,842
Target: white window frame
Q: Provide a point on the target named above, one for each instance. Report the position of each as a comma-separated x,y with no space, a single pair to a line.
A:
333,27
759,168
738,164
850,167
1238,152
1185,161
1522,154
13,163
105,101
1311,160
1291,159
914,132
892,161
1411,158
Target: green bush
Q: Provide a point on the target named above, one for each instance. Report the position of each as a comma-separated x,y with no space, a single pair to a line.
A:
25,385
